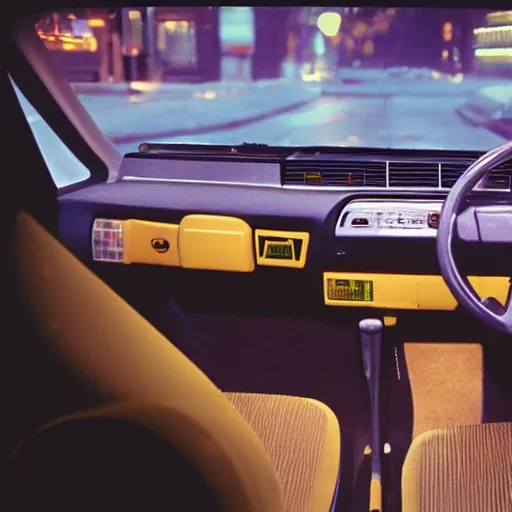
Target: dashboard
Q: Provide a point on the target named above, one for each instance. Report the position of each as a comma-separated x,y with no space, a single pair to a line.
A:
193,222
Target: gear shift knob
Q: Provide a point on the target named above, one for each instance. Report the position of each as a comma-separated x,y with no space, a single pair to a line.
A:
371,340
371,325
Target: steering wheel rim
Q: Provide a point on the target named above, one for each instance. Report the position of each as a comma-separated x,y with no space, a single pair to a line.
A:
458,285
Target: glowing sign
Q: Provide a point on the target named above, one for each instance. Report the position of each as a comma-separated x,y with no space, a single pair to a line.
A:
497,54
499,18
447,31
236,29
494,35
134,15
96,23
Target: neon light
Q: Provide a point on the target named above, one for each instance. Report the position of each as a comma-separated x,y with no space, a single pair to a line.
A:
493,52
499,17
96,23
485,30
134,15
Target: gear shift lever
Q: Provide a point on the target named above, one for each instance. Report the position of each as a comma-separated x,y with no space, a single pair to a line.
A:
371,343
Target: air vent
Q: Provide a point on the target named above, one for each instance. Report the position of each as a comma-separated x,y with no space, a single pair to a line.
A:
413,174
499,179
451,172
351,171
336,173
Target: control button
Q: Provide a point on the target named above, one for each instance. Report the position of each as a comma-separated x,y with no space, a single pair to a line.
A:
360,221
433,220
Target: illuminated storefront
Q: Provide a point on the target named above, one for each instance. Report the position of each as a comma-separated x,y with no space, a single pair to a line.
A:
74,38
493,45
184,43
136,43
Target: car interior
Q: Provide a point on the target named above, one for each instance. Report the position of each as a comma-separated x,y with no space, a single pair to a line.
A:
255,337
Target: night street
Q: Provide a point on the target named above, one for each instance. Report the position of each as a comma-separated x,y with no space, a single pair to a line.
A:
399,121
383,78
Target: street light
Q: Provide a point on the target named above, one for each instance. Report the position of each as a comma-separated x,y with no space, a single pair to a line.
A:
329,23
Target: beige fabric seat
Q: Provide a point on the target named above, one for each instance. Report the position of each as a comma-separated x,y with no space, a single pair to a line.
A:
263,453
460,469
301,437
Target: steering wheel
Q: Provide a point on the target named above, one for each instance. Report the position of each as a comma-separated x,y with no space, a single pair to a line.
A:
484,224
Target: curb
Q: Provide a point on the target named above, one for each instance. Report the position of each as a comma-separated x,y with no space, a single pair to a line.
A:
411,93
419,88
124,90
128,88
217,127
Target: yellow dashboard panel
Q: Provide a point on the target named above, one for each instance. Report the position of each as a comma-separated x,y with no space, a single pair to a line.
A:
215,242
153,243
397,291
281,248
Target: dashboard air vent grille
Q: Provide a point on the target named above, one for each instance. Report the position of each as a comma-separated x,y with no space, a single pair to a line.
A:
499,179
335,173
413,174
451,172
353,172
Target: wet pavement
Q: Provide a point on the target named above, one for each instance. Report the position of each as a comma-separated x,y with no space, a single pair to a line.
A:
407,120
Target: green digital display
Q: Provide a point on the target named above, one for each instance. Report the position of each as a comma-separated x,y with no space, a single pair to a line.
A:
279,250
350,289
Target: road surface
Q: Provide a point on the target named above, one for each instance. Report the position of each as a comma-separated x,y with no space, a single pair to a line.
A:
398,122
395,121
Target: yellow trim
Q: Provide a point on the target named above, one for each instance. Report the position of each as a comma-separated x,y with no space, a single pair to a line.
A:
414,292
390,321
375,495
329,463
214,242
286,237
138,248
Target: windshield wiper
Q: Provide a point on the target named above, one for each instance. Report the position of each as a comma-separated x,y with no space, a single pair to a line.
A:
251,149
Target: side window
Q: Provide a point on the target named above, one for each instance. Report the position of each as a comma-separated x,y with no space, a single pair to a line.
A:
63,165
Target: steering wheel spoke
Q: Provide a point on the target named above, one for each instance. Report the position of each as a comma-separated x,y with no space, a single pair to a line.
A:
508,309
486,224
483,224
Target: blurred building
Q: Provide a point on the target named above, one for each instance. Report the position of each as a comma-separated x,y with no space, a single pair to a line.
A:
171,43
271,38
238,42
493,44
146,43
76,41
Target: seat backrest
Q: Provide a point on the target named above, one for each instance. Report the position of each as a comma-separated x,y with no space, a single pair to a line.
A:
107,344
107,459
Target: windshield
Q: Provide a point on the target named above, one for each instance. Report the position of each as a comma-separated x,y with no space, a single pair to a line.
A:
358,77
